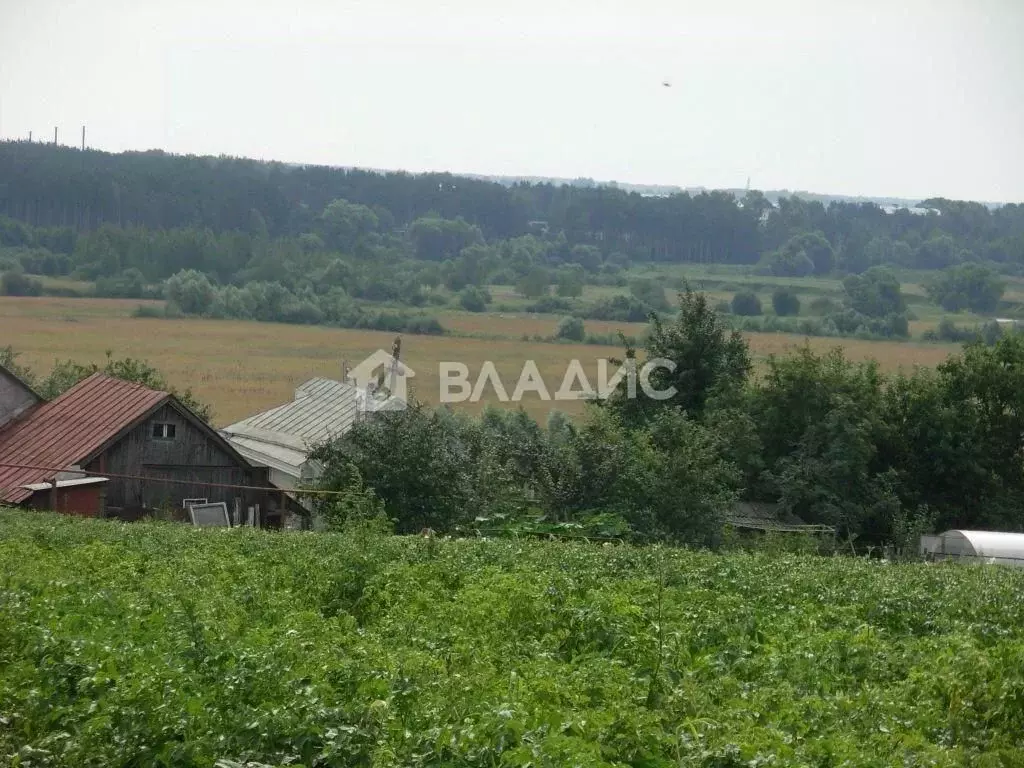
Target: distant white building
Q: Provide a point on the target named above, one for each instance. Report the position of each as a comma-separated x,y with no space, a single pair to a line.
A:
917,210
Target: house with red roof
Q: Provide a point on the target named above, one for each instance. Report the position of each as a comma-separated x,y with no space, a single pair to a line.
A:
113,448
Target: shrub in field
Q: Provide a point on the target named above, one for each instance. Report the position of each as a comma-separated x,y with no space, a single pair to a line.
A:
745,304
474,299
968,286
785,302
148,310
571,328
650,292
626,309
823,305
14,282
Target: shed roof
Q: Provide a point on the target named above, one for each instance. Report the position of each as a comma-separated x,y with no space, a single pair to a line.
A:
769,516
70,429
73,483
282,437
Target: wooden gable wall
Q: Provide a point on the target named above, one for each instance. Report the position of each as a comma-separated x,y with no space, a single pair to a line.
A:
193,457
15,397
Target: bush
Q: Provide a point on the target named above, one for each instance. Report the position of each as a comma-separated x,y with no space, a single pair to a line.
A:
427,326
785,302
823,305
650,293
148,310
969,286
989,333
876,293
624,309
571,328
550,305
130,284
16,283
474,299
746,304
534,284
785,264
192,291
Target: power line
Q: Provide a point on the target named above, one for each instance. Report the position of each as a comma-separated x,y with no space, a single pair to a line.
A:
150,479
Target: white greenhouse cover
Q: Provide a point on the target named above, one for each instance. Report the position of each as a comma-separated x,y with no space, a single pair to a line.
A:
987,546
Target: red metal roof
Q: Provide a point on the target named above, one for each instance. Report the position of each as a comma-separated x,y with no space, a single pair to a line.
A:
70,429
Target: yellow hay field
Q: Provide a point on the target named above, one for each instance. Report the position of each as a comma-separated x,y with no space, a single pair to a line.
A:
243,367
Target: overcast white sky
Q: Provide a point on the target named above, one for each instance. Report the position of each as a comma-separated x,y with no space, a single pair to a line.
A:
909,98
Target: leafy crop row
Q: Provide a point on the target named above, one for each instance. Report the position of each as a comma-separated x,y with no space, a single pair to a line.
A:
156,644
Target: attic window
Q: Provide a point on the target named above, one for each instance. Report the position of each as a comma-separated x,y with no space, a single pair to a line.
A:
163,431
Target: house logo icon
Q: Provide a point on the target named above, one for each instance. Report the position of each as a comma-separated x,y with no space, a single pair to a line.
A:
381,377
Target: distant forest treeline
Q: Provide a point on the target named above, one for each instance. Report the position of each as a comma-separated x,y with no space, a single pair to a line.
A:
59,187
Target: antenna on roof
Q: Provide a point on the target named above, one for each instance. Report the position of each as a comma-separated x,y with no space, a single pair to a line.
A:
344,370
392,369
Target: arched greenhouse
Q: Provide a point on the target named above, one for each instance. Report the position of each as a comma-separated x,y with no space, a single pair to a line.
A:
976,547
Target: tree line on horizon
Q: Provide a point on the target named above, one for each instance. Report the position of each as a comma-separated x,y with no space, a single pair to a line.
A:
47,186
227,237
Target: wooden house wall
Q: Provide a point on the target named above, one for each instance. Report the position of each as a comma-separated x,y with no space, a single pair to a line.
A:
15,399
192,458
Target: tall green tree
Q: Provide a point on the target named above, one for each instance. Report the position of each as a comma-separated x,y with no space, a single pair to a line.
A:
968,286
342,224
707,359
876,293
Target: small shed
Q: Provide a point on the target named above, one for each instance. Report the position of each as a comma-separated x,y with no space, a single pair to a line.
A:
82,496
975,547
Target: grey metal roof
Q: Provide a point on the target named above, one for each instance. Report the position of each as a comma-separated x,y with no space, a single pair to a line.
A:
761,524
323,409
769,516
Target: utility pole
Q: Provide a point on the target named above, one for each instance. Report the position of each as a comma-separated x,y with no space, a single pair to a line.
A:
83,138
30,137
55,135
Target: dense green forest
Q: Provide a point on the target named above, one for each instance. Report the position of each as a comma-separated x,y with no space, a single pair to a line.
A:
227,237
55,187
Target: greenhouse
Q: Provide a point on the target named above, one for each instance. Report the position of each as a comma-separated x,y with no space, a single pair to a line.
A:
976,546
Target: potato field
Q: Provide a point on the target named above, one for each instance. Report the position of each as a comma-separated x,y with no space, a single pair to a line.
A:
156,644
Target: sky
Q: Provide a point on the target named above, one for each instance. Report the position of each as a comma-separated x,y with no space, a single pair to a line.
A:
914,98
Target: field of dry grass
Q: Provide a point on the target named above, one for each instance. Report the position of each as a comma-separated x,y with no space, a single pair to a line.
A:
515,325
243,367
